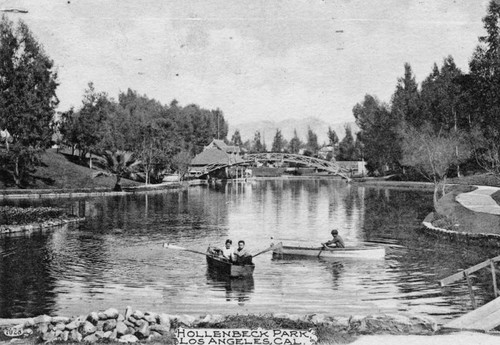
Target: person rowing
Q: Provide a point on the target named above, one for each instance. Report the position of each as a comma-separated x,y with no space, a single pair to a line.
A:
335,242
242,255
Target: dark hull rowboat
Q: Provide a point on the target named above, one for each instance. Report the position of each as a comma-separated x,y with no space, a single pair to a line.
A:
358,252
227,268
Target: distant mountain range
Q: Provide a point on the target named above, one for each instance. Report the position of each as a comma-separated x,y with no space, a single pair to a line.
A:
268,129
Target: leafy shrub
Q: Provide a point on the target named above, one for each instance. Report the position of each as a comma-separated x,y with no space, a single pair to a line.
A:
20,215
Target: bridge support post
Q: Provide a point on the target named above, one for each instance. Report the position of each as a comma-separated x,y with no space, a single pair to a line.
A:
494,277
471,293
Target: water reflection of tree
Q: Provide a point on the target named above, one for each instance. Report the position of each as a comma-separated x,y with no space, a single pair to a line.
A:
394,214
352,203
26,280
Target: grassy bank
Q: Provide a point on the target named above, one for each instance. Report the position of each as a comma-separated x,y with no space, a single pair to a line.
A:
451,215
61,171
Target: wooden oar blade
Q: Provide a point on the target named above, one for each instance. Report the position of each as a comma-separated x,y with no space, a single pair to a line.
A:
271,247
172,246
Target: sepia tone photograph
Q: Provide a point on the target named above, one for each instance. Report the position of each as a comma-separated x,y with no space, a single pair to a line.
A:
250,172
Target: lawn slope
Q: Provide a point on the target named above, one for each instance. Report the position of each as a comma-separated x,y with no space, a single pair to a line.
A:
60,171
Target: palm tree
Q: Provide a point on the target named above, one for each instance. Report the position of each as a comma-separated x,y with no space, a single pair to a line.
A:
119,163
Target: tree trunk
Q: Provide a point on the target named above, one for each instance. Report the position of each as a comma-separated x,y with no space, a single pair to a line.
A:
17,175
443,188
435,196
118,187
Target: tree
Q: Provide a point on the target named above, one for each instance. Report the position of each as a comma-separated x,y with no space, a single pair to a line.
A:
295,144
346,146
257,144
68,126
27,98
278,142
119,163
147,131
220,126
236,139
247,145
149,150
333,138
432,153
441,97
312,142
405,100
485,94
358,150
378,134
91,121
180,162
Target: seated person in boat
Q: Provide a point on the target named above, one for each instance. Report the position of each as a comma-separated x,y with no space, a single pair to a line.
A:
335,242
241,255
228,252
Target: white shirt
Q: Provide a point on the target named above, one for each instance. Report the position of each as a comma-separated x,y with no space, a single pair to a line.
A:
228,253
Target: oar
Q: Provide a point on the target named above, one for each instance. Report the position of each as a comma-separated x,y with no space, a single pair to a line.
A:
385,244
323,247
171,246
271,247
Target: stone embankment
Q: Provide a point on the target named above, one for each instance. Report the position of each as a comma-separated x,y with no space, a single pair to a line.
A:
468,238
136,326
466,217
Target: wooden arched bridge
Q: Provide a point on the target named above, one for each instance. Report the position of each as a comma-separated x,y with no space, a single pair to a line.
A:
318,163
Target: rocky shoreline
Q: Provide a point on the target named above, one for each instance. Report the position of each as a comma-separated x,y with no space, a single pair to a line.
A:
135,326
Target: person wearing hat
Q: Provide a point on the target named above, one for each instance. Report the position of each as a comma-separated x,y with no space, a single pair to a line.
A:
336,241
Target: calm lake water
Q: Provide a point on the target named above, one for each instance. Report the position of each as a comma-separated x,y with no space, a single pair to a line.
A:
115,257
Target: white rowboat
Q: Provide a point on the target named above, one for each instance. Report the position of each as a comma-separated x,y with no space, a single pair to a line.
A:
356,252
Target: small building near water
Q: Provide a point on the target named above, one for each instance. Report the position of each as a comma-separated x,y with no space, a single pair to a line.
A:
354,168
218,153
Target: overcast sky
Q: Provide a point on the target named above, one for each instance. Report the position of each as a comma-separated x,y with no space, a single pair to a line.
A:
255,60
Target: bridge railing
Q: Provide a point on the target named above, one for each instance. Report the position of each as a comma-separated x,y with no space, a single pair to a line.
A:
466,274
285,157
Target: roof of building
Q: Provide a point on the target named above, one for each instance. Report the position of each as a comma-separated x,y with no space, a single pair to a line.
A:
326,149
215,156
223,146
